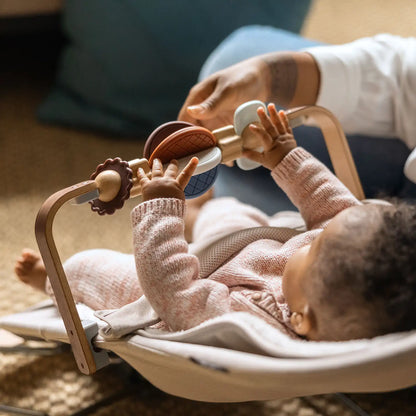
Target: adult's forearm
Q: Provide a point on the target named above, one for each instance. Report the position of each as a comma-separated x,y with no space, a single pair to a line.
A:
293,78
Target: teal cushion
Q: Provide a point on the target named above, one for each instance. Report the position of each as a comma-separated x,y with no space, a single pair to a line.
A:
129,64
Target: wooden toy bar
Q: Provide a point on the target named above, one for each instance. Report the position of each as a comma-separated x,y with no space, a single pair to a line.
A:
115,180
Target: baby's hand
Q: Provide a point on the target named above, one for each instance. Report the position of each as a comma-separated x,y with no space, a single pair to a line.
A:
276,136
168,184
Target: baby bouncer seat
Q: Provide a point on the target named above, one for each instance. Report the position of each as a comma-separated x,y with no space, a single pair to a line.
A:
232,358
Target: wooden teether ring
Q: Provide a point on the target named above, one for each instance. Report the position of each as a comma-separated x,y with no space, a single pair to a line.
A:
121,167
160,134
185,142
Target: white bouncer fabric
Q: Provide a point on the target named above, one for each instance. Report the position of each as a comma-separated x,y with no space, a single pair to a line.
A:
238,357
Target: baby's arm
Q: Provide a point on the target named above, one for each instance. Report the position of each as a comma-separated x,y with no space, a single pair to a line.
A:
313,188
168,274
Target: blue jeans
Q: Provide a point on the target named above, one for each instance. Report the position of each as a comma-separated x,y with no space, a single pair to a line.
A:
379,161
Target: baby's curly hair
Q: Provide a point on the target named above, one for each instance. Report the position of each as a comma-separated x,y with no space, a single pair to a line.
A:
365,276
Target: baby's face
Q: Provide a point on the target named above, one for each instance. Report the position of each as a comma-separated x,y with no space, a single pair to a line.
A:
297,269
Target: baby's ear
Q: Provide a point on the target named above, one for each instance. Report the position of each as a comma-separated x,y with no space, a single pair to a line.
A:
303,322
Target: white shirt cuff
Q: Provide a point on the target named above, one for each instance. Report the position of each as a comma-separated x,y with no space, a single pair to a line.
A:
340,77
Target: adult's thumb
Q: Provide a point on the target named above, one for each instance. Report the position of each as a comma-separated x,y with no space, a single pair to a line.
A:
208,108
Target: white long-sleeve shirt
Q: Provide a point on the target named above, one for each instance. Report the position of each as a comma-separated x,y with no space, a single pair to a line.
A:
370,86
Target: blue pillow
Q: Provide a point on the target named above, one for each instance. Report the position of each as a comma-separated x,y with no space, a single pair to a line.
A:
129,64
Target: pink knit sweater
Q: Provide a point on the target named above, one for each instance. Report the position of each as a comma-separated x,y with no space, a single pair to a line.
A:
251,280
169,275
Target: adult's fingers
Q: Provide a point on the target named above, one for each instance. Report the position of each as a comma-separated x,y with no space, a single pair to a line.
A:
187,172
213,105
213,99
196,96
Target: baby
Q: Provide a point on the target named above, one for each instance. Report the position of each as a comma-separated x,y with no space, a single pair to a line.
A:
351,275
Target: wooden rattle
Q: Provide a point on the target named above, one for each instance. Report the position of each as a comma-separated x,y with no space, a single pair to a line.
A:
116,180
182,143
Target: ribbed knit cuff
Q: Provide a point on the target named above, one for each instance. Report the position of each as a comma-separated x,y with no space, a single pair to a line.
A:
159,206
285,170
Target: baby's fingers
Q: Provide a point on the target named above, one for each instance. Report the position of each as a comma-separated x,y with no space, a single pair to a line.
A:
157,168
253,155
172,169
265,137
141,175
276,119
267,123
187,172
285,121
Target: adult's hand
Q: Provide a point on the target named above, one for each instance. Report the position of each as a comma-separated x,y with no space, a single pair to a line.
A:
285,78
212,102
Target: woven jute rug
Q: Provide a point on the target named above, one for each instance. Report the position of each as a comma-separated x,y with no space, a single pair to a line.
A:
37,160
